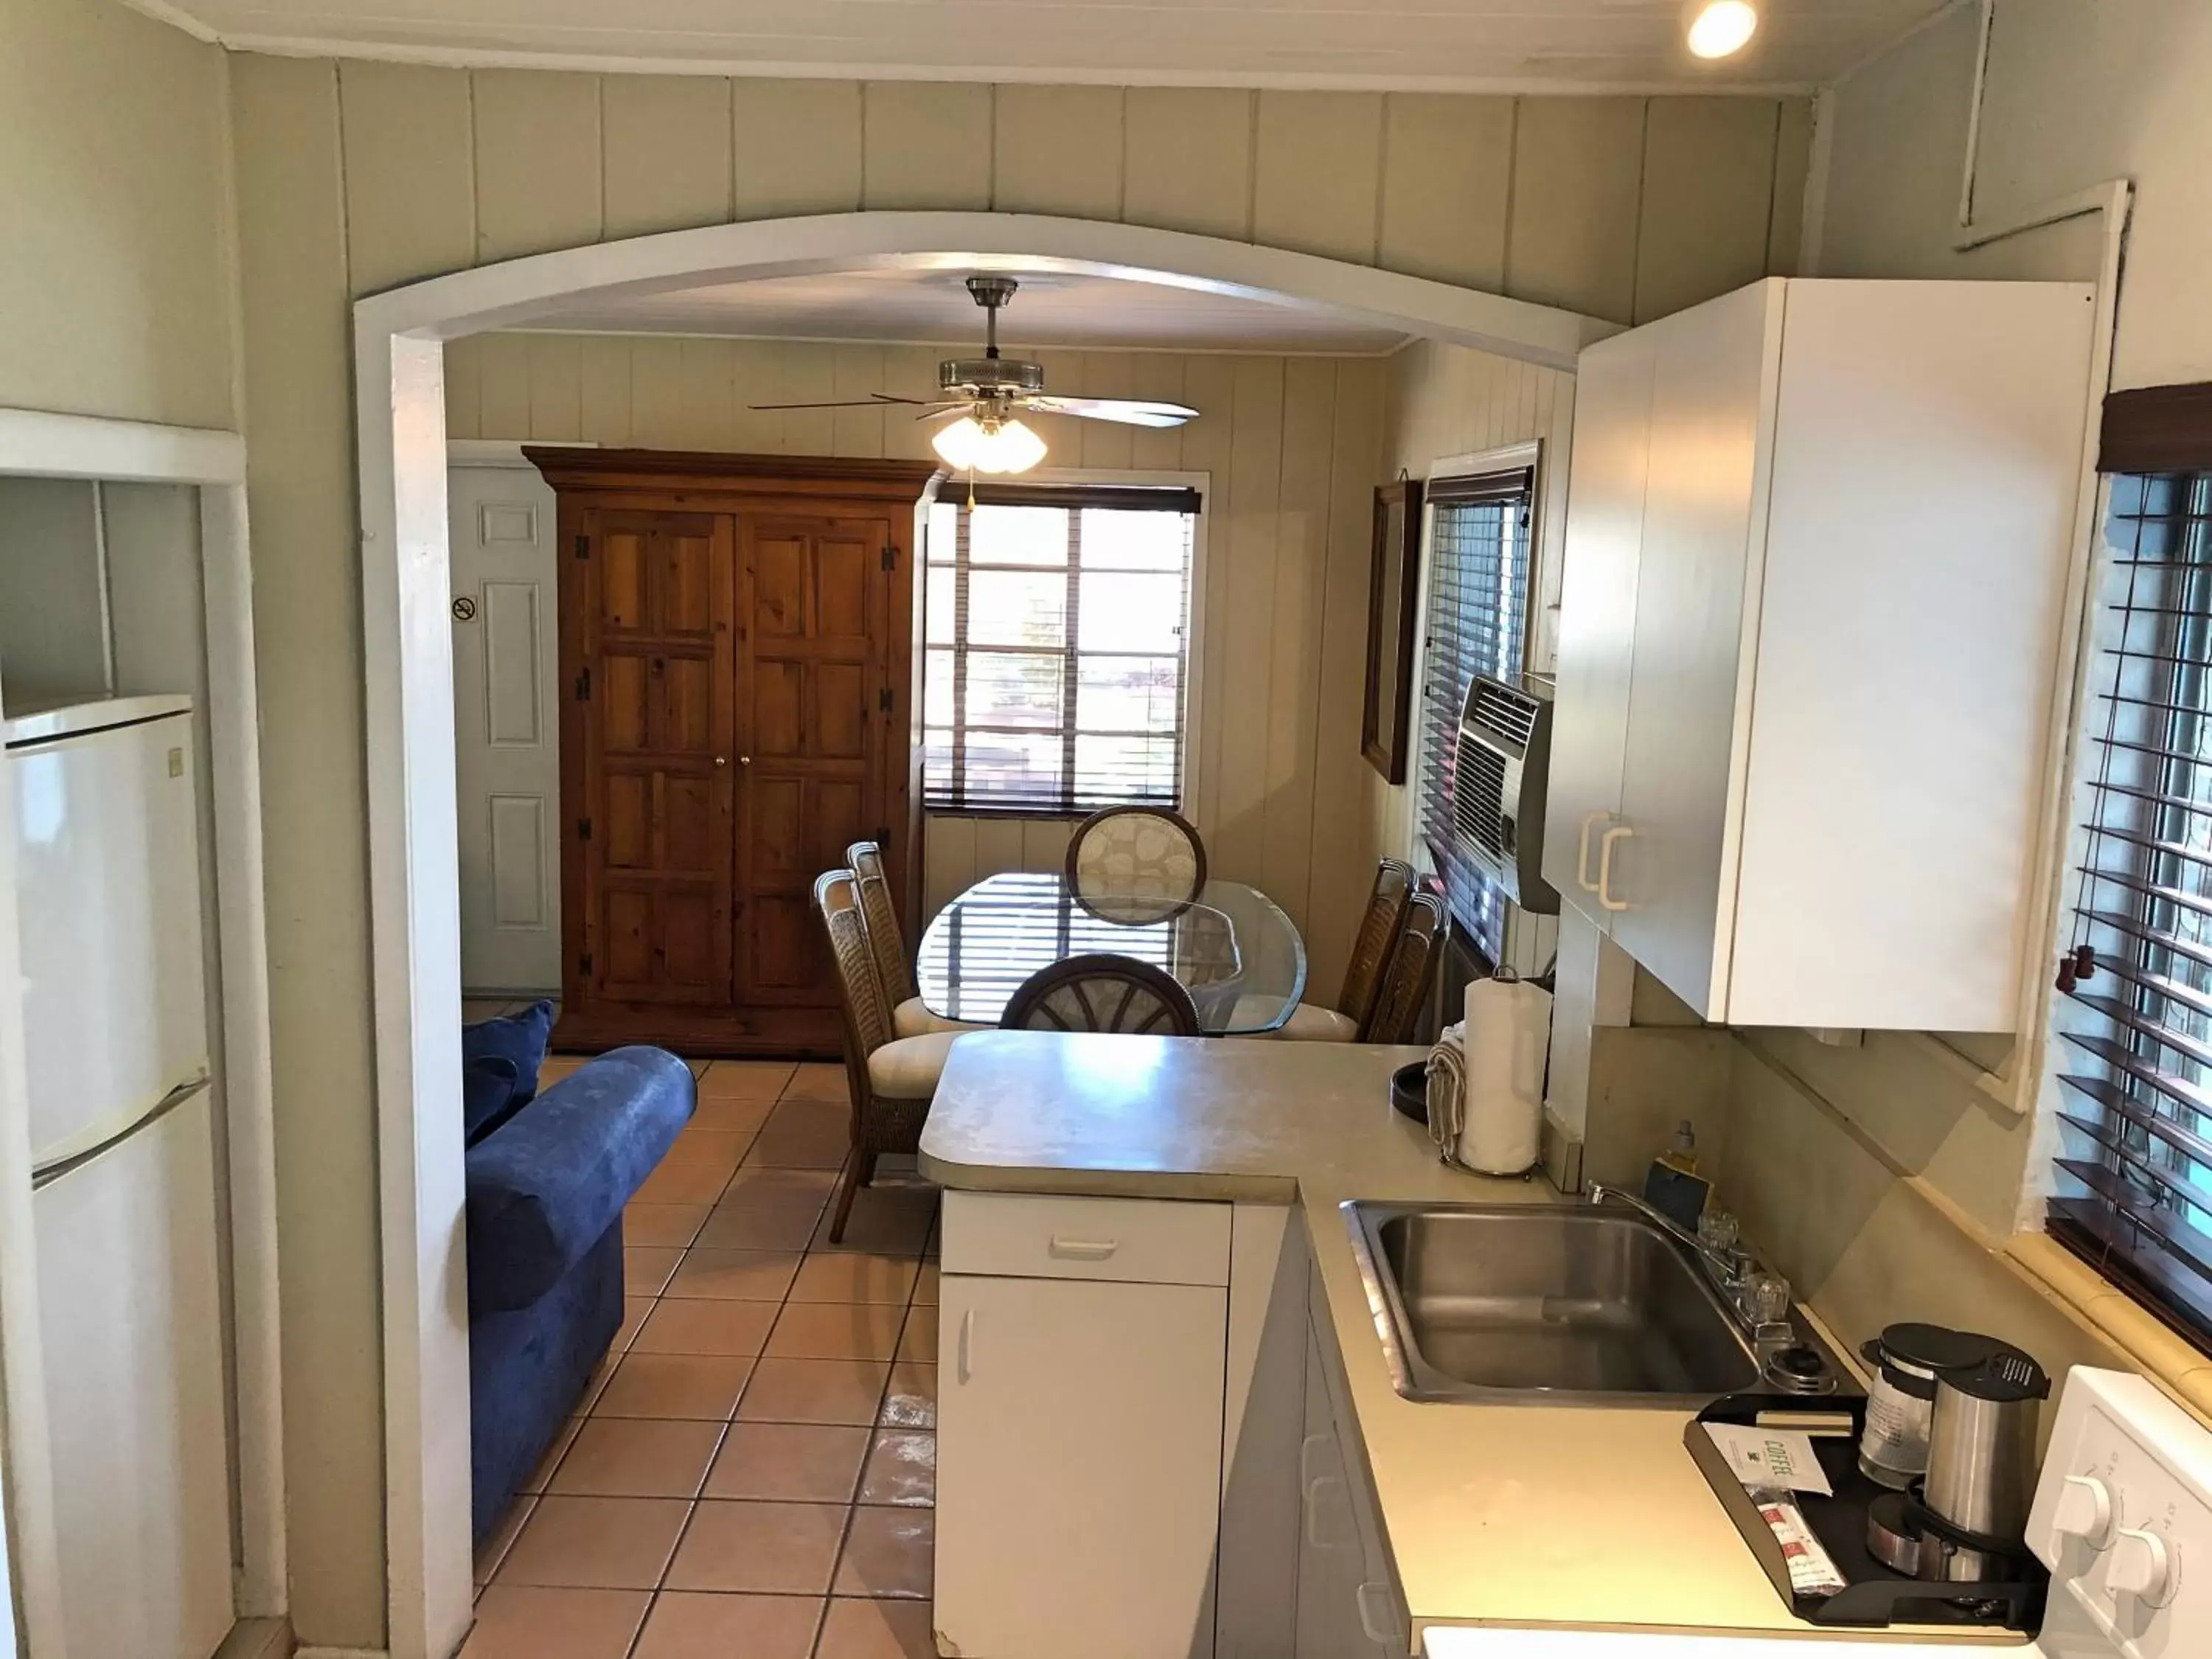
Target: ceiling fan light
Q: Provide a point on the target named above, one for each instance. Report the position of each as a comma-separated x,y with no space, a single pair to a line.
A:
1720,28
967,445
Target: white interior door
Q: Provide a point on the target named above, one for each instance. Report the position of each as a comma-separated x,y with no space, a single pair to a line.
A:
1689,710
506,727
1597,612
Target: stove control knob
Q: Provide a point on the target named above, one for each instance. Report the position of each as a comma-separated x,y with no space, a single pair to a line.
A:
2085,1510
2143,1566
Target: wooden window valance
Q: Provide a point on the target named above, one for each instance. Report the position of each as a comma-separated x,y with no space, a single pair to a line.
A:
2159,428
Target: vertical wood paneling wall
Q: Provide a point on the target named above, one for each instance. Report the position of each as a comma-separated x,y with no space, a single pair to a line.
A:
353,177
1291,446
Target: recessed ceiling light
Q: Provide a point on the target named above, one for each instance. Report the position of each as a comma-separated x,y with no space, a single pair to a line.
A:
1720,28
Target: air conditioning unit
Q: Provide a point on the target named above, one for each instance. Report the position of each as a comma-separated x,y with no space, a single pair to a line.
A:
1500,763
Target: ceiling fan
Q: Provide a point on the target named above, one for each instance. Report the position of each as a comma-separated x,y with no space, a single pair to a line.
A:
989,393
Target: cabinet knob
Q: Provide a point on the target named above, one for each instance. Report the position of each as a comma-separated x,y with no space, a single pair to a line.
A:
744,760
721,760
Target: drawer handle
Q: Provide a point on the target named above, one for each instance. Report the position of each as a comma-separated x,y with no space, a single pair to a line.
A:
1083,1249
965,1365
1383,1632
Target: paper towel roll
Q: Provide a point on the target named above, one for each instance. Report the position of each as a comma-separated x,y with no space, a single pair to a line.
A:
1509,1030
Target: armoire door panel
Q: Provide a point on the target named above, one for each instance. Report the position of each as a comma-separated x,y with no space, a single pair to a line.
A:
849,557
783,956
841,710
683,707
621,694
622,590
657,716
779,709
778,567
690,824
815,598
626,824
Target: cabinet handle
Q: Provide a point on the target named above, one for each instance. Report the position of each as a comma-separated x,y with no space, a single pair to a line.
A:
1306,1447
1381,1631
965,1367
1619,832
1312,1511
1581,852
1083,1249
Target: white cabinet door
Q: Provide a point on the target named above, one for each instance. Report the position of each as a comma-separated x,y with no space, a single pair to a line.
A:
506,727
1347,1606
1080,1467
1597,612
1712,392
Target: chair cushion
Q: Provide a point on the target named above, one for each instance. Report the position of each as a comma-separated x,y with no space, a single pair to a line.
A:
908,1069
1311,1024
913,1019
520,1039
488,1085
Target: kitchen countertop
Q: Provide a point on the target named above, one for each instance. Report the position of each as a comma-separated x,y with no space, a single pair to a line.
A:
1495,1515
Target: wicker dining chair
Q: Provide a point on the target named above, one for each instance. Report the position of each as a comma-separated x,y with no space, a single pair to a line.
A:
891,1079
1348,1020
1146,854
1412,967
1103,993
910,1015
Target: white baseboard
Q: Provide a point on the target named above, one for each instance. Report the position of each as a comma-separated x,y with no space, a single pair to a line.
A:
340,1653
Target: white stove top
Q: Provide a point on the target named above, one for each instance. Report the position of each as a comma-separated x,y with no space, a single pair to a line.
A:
2122,1518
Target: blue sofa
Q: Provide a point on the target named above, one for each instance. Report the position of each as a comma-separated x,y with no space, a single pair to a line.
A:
545,1194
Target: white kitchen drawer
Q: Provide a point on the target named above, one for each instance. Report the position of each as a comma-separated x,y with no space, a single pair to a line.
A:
1140,1241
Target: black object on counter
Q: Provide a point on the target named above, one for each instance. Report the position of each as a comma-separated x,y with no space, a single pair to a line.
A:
1409,1091
1873,1594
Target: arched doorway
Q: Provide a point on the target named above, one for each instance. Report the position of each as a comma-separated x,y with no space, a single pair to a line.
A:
399,354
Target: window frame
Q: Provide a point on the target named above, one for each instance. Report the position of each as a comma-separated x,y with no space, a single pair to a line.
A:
952,490
1522,942
2087,840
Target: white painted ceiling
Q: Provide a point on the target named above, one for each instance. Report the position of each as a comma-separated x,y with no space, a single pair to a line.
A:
1438,43
934,308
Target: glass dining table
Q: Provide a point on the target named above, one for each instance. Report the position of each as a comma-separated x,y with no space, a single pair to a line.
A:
1231,947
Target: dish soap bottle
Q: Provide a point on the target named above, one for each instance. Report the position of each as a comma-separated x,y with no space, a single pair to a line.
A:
1673,1186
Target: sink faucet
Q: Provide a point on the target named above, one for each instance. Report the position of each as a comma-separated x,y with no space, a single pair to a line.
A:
1735,1273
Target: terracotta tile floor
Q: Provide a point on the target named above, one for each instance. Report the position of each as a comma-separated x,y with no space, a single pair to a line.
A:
752,1472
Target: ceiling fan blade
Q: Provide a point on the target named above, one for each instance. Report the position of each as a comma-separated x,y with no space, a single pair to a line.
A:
842,403
1129,411
943,411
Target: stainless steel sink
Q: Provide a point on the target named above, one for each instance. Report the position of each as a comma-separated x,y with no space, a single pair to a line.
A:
1550,1306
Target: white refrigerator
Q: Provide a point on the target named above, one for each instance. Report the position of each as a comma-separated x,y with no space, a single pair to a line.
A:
124,1195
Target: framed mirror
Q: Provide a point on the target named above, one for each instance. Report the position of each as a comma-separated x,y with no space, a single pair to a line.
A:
1393,598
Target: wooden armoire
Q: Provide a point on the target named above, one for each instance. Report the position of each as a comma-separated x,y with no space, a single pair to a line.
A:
737,707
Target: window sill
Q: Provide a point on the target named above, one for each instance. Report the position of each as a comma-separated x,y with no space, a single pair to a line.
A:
2181,1369
1022,814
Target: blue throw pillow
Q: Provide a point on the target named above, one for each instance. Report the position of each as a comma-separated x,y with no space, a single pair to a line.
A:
518,1039
488,1084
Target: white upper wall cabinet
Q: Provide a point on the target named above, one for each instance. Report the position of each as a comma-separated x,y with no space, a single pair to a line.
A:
1816,554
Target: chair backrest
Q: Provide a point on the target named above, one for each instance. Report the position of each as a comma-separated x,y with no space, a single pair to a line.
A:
1371,945
860,997
1102,993
1412,965
1136,852
893,972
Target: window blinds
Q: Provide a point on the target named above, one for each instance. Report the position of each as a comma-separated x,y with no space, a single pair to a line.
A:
1055,655
1476,623
2134,1171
